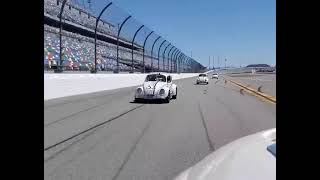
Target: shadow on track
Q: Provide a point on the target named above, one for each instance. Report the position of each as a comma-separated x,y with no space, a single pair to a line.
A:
148,102
200,84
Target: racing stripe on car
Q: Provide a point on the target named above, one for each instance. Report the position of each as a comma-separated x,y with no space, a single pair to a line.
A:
154,87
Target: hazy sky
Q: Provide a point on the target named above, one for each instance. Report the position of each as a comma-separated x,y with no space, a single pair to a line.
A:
243,31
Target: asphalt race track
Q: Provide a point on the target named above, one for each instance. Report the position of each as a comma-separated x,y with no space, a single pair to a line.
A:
266,82
106,136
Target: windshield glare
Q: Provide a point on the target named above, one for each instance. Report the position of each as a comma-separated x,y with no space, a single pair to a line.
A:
156,77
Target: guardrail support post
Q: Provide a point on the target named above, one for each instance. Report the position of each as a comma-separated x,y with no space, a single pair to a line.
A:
95,37
135,34
163,56
59,65
119,30
159,54
144,44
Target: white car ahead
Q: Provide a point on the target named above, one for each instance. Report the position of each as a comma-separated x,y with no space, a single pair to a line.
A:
215,76
249,158
157,87
203,78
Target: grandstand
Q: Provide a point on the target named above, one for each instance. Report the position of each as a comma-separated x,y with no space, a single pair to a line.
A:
78,16
78,42
78,53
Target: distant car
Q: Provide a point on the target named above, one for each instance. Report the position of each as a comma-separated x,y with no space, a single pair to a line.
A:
157,87
203,78
249,158
215,76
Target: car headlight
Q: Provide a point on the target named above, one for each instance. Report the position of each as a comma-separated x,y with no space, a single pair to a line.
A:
162,91
139,91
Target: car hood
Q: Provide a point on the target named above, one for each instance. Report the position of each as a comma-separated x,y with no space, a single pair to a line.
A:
157,85
243,159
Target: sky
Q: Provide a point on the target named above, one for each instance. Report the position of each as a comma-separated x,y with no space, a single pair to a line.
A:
241,31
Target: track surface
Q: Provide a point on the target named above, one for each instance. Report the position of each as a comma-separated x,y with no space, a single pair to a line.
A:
266,82
146,141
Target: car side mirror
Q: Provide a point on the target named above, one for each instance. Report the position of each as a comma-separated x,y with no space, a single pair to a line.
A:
169,79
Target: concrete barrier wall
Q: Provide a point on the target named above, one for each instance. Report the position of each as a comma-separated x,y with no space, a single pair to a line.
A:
62,85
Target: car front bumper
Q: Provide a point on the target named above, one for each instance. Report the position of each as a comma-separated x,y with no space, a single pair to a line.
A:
199,81
150,97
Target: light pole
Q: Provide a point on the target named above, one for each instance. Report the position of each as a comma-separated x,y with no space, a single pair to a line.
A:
209,62
225,63
213,62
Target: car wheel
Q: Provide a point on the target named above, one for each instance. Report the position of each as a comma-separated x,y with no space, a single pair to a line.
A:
175,96
167,100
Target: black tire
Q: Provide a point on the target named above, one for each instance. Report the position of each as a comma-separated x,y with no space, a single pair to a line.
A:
137,100
175,96
167,100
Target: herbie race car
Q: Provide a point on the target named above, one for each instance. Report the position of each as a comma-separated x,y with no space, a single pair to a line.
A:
203,78
215,76
157,87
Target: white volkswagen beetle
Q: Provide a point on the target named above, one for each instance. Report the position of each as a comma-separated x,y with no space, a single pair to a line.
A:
215,76
157,87
203,78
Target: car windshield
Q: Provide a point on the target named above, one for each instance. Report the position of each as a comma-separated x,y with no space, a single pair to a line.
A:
156,77
202,75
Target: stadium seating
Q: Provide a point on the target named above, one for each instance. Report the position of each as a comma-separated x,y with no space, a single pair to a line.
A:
78,51
78,15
